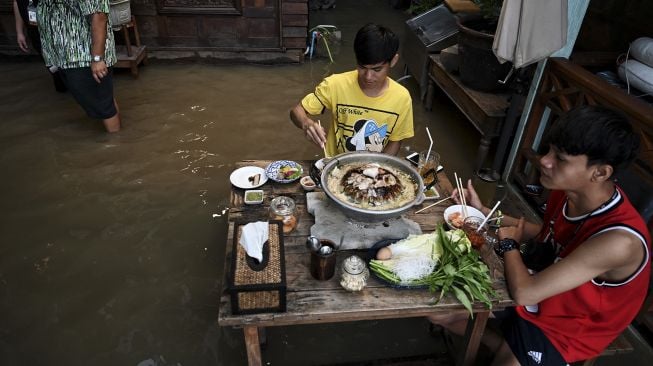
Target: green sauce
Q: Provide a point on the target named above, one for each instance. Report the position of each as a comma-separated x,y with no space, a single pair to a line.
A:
254,196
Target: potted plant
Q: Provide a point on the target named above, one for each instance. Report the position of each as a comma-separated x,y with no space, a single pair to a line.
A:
490,9
479,68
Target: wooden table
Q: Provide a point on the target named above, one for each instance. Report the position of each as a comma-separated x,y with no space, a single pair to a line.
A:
310,301
486,111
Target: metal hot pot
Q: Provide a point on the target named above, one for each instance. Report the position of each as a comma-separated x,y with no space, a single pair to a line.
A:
363,157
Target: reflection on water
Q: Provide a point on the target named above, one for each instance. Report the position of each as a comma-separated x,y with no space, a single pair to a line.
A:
112,245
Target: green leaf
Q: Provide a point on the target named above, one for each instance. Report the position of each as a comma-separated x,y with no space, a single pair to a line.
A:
462,297
448,269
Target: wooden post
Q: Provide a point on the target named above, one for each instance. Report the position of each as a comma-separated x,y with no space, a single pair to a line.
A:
252,345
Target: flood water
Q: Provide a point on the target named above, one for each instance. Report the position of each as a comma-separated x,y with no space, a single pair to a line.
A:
112,246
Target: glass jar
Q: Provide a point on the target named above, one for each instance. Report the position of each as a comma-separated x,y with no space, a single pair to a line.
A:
354,274
283,208
471,227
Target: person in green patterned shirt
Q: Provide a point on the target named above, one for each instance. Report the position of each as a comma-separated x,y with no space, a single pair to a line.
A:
76,37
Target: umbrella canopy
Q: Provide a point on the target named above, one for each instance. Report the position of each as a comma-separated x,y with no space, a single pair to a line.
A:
530,30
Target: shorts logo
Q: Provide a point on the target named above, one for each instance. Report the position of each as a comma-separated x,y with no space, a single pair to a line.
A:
536,356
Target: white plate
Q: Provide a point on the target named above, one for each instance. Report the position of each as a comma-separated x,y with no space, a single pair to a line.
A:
240,177
272,170
471,211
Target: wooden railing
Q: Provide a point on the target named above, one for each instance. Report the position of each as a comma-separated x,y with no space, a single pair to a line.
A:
566,85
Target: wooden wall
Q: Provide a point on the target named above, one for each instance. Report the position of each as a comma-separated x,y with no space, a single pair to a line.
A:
265,31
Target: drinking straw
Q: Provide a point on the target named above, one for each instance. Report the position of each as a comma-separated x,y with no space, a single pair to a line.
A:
432,204
428,153
488,216
323,146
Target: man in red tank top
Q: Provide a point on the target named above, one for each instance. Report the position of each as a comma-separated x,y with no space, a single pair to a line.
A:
598,276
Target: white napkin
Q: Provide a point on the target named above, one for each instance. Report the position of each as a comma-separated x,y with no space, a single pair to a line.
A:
252,238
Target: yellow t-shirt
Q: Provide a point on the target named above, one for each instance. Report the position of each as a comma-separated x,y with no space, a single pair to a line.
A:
361,122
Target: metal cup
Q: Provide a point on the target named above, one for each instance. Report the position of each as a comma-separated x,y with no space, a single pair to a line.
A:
323,266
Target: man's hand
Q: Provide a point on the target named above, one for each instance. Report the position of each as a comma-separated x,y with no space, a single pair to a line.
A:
99,70
22,42
513,232
471,196
98,42
314,132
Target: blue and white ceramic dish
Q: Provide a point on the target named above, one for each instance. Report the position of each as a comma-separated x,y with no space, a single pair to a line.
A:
284,171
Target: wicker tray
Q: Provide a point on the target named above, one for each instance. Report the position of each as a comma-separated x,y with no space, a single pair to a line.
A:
258,287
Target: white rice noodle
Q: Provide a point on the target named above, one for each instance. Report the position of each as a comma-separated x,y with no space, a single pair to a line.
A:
413,268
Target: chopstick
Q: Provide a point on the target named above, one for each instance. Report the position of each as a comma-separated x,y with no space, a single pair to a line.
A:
432,204
323,147
461,194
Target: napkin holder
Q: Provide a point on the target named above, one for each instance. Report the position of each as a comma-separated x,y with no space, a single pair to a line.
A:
258,287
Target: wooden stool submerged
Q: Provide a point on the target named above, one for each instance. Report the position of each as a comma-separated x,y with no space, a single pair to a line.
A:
130,55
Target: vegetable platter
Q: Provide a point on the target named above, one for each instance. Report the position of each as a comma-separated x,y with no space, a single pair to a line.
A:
442,261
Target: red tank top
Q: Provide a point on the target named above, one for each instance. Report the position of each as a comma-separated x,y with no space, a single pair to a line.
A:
583,321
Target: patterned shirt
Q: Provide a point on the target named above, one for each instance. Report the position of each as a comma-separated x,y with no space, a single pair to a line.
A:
65,27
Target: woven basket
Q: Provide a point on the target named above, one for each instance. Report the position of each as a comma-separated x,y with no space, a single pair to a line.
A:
258,287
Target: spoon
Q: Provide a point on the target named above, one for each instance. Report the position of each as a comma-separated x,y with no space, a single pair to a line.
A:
325,250
313,243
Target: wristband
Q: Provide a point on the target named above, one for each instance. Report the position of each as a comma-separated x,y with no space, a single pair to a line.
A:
505,245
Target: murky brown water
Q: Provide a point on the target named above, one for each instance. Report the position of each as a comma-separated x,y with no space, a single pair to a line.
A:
112,246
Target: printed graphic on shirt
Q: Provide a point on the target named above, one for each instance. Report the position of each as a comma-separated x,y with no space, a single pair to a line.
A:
360,128
368,136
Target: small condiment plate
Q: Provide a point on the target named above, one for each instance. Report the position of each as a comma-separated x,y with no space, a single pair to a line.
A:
431,194
240,177
253,197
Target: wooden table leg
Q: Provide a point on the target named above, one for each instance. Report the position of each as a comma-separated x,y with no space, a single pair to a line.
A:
428,99
473,335
481,153
252,345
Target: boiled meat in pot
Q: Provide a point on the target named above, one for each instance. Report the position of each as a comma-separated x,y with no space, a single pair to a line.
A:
372,186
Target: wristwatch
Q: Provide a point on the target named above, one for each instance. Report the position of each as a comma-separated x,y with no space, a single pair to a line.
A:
505,245
98,58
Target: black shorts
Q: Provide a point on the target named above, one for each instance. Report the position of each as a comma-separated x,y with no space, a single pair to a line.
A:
527,342
96,98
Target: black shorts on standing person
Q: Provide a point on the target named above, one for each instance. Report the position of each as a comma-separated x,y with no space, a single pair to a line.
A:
35,38
96,99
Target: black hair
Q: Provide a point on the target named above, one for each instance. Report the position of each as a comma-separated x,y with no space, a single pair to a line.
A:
375,44
604,135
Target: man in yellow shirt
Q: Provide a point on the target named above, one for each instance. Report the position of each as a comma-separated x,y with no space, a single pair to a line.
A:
370,111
